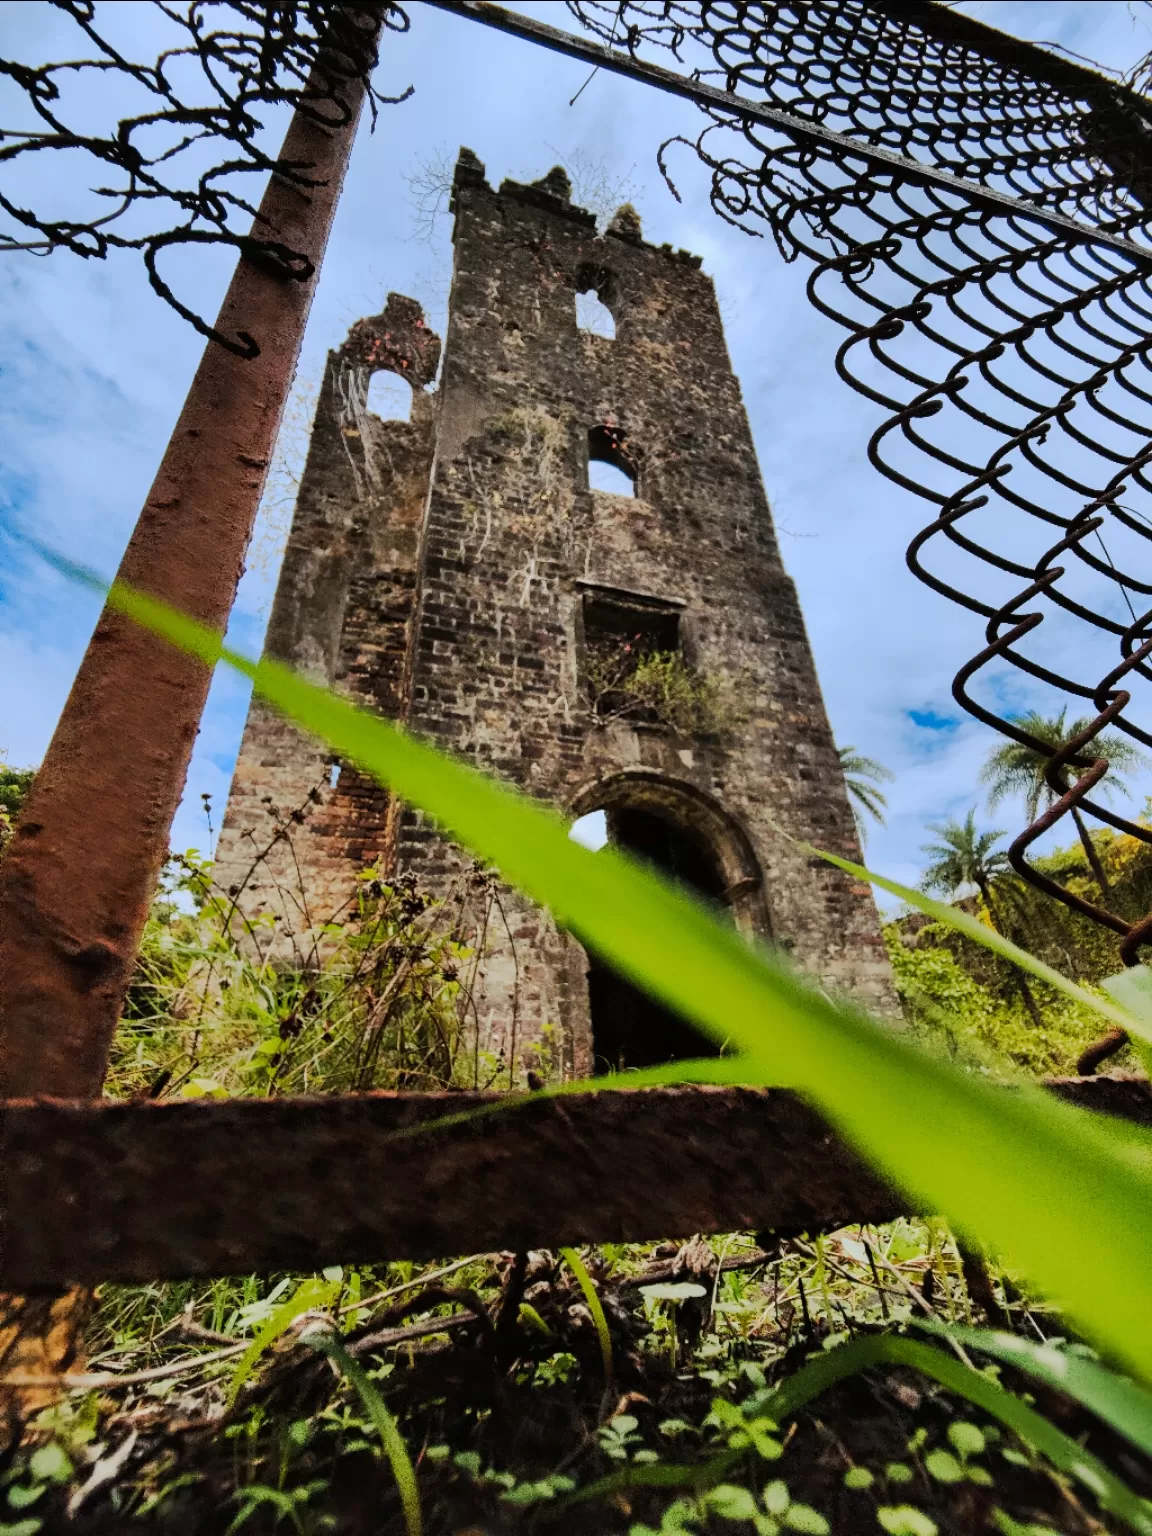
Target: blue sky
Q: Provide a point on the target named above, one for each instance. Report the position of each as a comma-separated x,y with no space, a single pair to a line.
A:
93,369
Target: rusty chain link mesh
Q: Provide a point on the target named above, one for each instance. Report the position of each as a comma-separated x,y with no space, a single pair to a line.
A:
203,106
1009,362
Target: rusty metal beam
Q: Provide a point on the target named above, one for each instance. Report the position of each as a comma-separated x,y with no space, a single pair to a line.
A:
78,876
133,1192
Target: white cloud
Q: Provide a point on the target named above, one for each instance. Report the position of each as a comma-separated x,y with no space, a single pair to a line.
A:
95,368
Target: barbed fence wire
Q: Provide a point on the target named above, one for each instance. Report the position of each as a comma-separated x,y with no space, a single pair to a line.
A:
173,173
1007,354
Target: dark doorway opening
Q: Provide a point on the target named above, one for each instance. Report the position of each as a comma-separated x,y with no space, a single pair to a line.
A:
629,1028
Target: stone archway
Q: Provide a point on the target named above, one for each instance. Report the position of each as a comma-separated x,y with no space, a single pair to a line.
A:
686,834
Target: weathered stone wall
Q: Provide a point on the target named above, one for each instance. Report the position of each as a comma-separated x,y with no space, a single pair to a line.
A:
342,615
514,538
513,543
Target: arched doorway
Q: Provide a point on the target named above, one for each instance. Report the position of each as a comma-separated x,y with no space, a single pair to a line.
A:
685,835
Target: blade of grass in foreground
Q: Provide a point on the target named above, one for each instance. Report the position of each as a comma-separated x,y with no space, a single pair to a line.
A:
825,1371
972,928
1123,1404
1033,1178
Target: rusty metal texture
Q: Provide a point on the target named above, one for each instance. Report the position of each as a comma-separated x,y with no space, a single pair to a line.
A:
1007,356
151,1191
146,1191
77,877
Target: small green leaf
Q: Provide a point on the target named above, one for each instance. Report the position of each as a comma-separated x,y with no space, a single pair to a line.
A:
1009,1527
595,1307
23,1495
802,1517
897,1472
22,1527
50,1464
776,1497
967,1439
673,1427
467,1461
944,1467
528,1314
1017,1458
858,1477
979,1475
905,1520
730,1502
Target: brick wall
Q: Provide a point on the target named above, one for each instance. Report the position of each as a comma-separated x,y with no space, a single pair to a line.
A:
477,637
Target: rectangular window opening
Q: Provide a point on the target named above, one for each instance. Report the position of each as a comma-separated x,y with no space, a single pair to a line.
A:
628,647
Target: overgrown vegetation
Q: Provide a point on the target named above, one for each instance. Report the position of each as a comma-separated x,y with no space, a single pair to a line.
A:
627,681
14,786
377,995
547,1394
639,1393
959,992
220,1415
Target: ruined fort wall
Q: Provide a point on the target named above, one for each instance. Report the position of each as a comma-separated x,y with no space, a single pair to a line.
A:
452,587
515,541
342,615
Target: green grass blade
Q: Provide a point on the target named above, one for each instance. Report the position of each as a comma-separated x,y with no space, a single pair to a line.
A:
595,1306
1122,1403
309,1295
891,1349
1034,1179
386,1427
827,1370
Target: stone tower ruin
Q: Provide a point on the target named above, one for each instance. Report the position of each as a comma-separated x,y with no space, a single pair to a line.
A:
642,654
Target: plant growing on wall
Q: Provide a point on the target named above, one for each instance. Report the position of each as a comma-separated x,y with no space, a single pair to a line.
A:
628,681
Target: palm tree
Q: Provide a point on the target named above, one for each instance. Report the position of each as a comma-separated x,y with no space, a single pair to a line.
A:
861,777
964,858
1017,769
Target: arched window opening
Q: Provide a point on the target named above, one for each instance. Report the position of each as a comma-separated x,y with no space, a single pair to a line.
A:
389,396
594,316
590,831
594,312
629,1028
611,466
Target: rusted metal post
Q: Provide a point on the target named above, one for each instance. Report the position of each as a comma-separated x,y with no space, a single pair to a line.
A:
77,879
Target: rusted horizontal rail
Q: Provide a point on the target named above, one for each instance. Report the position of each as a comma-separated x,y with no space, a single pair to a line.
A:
111,1191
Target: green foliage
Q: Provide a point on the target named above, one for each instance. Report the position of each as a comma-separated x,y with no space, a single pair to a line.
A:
1032,1177
14,786
595,1307
390,1437
956,995
375,1000
660,688
1062,1198
1018,769
862,779
963,858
